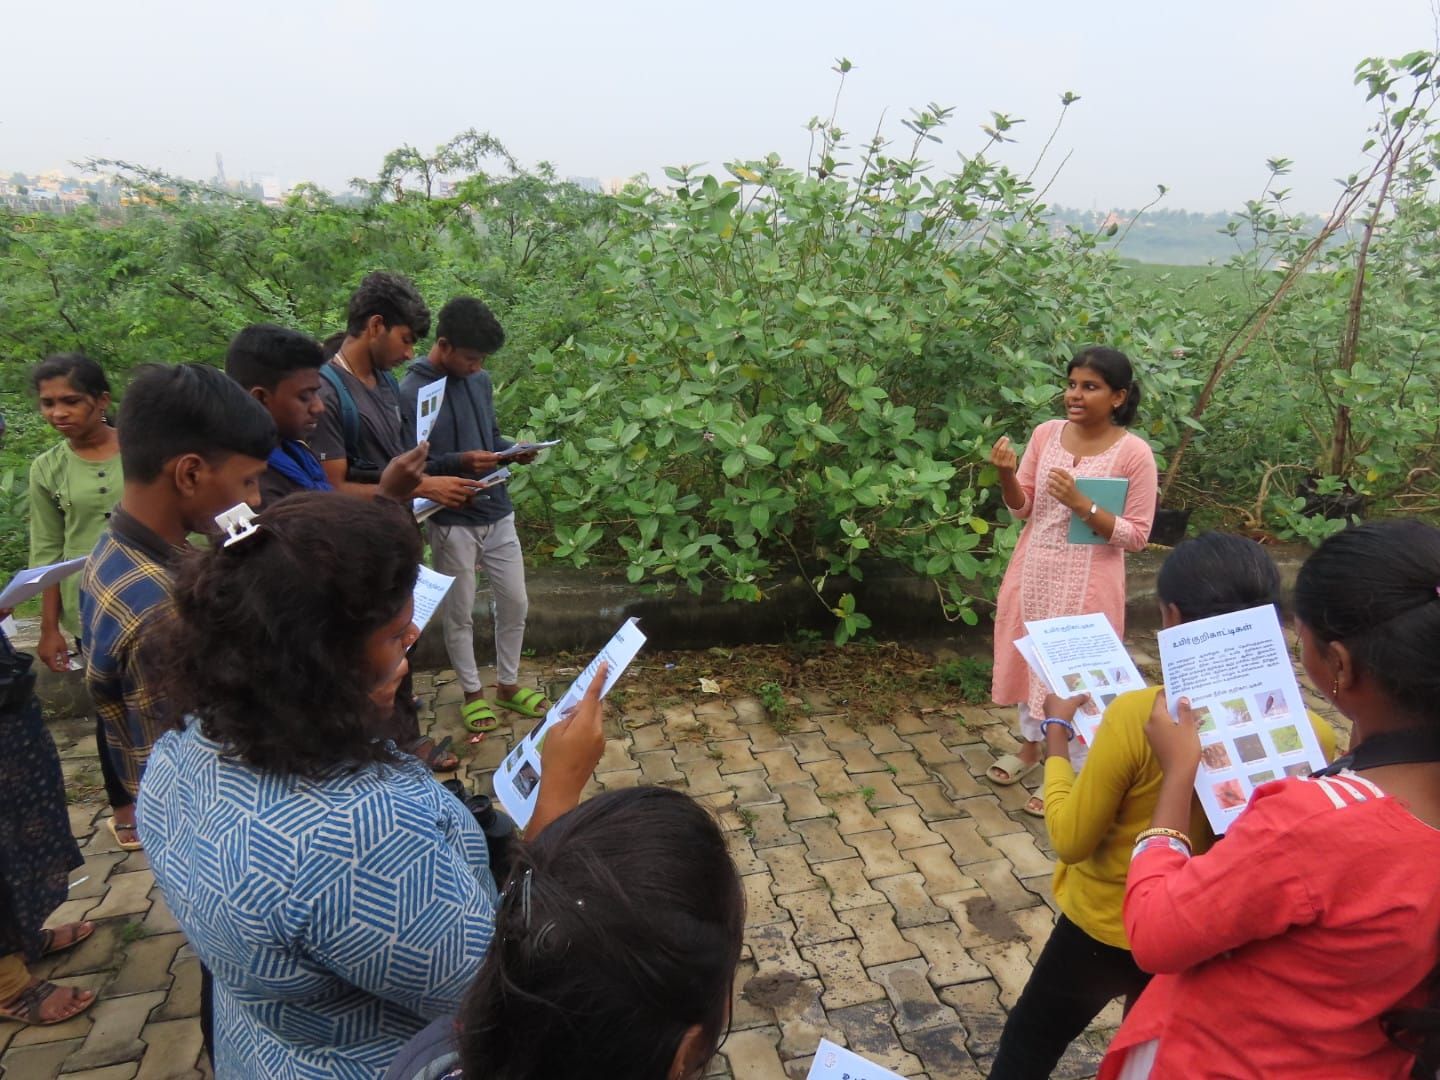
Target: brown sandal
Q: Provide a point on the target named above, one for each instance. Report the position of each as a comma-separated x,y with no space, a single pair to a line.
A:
79,932
25,1007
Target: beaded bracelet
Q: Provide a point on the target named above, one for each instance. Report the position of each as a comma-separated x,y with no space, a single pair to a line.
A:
1173,834
1066,724
1178,846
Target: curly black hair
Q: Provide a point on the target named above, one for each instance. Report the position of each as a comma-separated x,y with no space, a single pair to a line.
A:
393,298
270,632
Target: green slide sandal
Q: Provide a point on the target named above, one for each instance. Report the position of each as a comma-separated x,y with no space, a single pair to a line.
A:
479,716
527,702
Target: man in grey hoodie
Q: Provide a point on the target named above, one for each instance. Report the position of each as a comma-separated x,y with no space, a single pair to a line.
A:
479,535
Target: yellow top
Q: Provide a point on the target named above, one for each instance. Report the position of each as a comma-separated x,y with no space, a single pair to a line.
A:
1093,819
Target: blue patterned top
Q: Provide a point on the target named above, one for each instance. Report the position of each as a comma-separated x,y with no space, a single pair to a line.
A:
338,916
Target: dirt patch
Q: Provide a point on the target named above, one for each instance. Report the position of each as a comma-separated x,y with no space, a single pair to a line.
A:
993,922
777,991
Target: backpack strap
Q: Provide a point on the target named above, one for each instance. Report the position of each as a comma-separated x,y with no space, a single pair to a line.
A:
349,413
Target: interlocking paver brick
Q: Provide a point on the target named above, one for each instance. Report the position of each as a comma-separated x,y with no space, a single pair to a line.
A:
735,756
823,842
781,767
907,723
659,767
40,1060
963,836
853,814
880,791
773,949
884,739
859,758
751,789
615,781
703,777
743,855
979,1003
948,961
147,965
764,737
159,920
838,730
880,942
749,711
172,1049
184,998
829,777
803,1022
909,828
988,815
616,757
937,866
934,802
913,906
744,1014
115,1032
754,1054
760,906
931,748
998,880
849,888
838,966
801,802
978,756
1035,923
942,1052
648,738
959,779
790,870
1009,964
916,1005
882,859
109,1072
96,871
811,746
768,827
95,953
1024,855
815,920
869,1031
905,767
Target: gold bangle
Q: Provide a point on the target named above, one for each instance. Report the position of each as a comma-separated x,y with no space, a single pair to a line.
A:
1173,834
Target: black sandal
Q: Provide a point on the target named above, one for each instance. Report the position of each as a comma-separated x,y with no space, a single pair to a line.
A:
435,756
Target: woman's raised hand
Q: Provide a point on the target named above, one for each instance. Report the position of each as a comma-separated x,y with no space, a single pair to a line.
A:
1002,456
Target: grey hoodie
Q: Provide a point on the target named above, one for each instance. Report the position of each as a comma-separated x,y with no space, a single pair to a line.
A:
466,422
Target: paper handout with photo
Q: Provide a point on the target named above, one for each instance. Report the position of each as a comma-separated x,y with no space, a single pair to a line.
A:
836,1063
517,780
430,590
1236,671
1081,654
37,579
427,408
423,508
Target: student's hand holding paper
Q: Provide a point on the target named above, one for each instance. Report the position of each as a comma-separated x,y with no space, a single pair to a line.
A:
404,473
481,461
567,760
1064,708
1176,744
54,653
451,491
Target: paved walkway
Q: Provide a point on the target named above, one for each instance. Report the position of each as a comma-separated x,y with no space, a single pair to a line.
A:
896,899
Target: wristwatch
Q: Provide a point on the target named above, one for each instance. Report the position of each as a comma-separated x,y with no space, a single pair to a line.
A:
1094,509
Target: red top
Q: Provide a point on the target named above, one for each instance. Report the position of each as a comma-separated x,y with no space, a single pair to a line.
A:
1276,951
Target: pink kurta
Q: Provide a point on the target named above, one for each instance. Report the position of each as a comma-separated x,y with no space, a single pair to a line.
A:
1048,576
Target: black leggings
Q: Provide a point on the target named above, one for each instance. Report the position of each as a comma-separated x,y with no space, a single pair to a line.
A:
1074,979
114,790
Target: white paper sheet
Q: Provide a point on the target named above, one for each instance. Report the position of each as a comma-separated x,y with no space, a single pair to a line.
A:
37,579
524,448
430,590
1081,654
423,508
836,1063
427,408
517,780
1236,671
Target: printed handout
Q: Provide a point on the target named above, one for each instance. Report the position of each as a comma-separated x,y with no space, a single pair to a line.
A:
430,590
518,777
836,1063
423,508
37,579
1080,654
427,408
524,448
1236,671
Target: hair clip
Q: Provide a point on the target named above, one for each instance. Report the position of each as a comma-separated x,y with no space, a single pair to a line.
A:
238,522
525,898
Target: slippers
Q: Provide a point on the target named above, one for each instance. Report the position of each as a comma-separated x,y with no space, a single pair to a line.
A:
132,844
526,702
1035,805
79,931
478,716
1009,769
438,757
25,1006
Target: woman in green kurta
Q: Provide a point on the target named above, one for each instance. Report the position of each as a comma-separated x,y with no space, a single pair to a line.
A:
73,488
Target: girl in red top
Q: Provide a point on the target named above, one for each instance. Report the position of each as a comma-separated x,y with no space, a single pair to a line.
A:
1301,944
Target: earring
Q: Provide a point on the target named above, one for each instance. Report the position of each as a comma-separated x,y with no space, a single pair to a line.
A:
1335,689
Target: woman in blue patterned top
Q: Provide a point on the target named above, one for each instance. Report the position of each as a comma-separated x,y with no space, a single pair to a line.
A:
339,896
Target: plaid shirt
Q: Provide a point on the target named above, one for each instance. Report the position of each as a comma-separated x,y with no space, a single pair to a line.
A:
125,597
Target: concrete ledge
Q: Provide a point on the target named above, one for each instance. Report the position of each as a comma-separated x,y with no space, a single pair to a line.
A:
577,611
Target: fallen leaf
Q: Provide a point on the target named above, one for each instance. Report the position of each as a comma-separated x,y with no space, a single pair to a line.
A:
709,686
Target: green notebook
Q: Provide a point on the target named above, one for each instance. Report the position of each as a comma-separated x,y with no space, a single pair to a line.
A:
1106,492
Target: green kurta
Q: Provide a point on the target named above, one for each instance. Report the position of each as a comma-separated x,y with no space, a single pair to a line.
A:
70,501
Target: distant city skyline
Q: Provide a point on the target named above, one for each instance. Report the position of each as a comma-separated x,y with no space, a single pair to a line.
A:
1196,98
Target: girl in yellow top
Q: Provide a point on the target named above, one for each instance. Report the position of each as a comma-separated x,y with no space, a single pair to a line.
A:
1094,817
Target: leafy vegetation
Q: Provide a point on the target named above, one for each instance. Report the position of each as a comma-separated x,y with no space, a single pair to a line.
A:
796,371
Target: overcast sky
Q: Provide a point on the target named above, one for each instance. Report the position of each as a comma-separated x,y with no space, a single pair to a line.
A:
1195,95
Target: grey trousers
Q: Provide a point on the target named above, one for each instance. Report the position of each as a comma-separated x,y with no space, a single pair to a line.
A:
462,550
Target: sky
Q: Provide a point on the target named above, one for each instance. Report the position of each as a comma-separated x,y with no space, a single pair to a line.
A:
1194,96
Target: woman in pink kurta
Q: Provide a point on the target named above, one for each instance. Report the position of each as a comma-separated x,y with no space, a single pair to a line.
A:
1048,576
